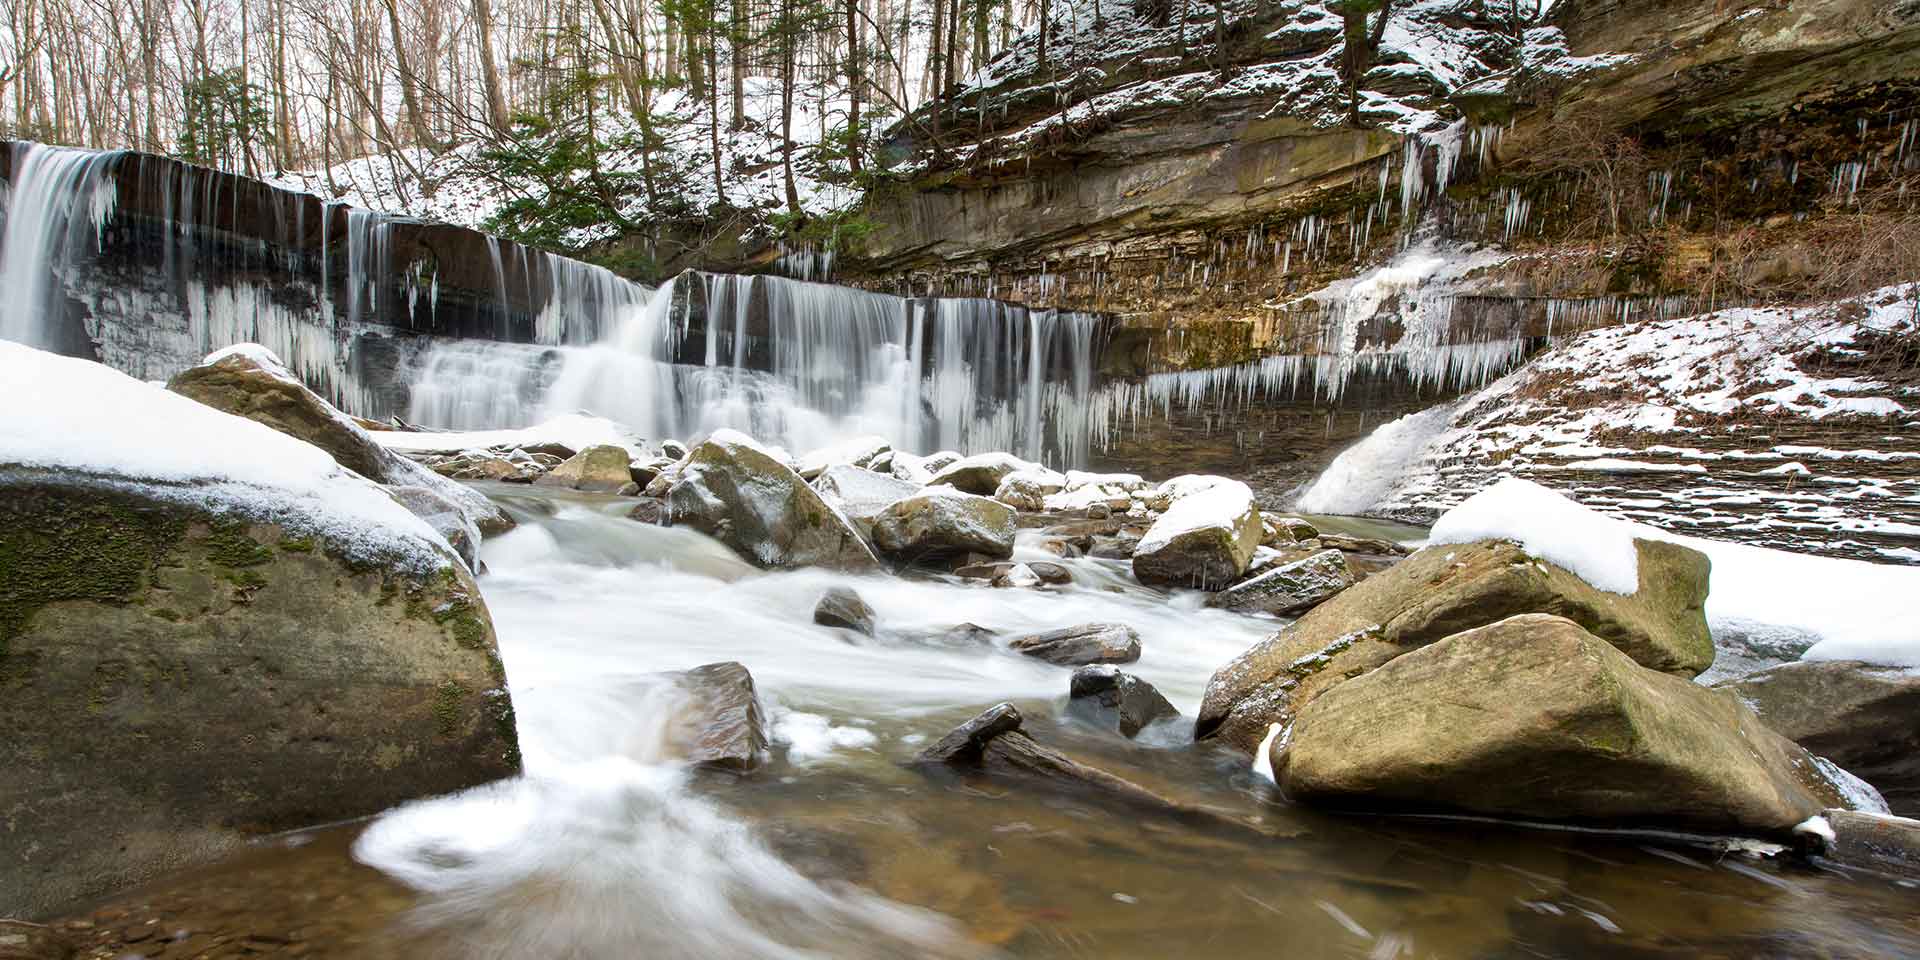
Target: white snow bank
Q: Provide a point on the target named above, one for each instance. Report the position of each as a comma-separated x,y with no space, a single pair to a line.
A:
1223,505
79,415
1849,609
575,430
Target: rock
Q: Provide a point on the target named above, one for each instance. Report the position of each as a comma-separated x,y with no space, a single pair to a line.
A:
861,495
1050,573
968,635
649,511
1535,718
446,519
1862,717
722,727
857,452
1205,540
1122,482
1289,588
979,474
487,467
598,469
20,940
964,743
920,470
182,674
1874,841
643,471
736,492
1083,500
249,381
1280,530
992,570
1017,575
1029,488
629,490
1366,546
1106,691
1098,511
673,450
1441,591
1081,645
841,607
550,452
940,522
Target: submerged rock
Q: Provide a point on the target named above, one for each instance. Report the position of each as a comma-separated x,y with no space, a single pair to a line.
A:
722,726
841,607
1081,645
1205,540
1117,697
1289,588
1441,591
1535,718
734,491
941,522
1862,717
598,469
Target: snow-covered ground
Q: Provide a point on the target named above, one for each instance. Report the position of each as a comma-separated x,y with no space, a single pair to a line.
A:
1760,425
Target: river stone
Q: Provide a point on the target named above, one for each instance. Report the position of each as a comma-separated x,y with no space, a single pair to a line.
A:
1106,691
602,468
841,607
979,474
1050,573
1205,540
722,726
249,381
1081,645
446,519
1280,530
1443,590
1862,717
734,491
1289,588
1017,575
1877,842
1028,489
860,494
1533,717
984,571
174,681
941,522
20,940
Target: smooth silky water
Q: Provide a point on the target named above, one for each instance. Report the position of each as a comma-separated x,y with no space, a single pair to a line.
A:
606,848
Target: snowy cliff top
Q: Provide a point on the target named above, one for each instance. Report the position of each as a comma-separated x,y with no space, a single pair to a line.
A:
76,415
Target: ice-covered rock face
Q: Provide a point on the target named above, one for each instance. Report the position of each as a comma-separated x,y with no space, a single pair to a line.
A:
734,490
1205,540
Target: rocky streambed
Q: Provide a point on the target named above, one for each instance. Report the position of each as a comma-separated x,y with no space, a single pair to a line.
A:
865,703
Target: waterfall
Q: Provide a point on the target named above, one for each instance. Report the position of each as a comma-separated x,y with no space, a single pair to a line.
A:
58,205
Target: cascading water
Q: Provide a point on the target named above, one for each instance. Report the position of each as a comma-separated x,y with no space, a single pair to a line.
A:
58,205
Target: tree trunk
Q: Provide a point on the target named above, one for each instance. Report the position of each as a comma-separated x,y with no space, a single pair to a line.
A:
737,53
787,42
855,89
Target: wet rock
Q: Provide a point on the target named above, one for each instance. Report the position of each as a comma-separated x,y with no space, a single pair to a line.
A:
722,726
446,519
1289,588
550,452
1441,591
643,471
920,470
629,490
1083,644
1118,698
179,678
1367,546
1050,573
861,495
1017,575
1098,511
941,522
1205,540
1029,488
598,469
1535,718
968,635
673,450
1862,717
841,607
964,743
979,474
1280,530
736,492
20,940
487,467
649,511
1874,841
992,570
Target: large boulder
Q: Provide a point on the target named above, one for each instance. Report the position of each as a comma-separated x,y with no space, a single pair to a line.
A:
1029,489
1443,590
861,494
445,517
1290,587
603,468
1862,717
979,474
1206,539
1081,645
736,492
940,522
248,381
1535,718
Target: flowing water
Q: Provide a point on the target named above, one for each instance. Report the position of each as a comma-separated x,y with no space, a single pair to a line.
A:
607,848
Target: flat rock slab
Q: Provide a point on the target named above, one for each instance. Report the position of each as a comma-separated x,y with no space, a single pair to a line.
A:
600,469
1082,645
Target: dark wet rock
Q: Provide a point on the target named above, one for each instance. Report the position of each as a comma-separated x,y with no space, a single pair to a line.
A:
1535,718
177,679
20,940
1862,717
1118,698
722,726
673,449
1017,576
979,474
1289,588
939,522
968,635
446,519
643,471
842,607
1112,548
991,570
598,469
1441,591
551,452
964,743
1883,843
732,490
649,510
1081,645
1050,573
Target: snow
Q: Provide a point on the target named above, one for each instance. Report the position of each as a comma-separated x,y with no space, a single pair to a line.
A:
70,414
858,451
1263,757
1817,826
1856,793
577,431
1224,506
1075,479
1004,462
1595,548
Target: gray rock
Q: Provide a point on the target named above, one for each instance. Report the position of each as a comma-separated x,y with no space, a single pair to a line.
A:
1119,698
984,571
1882,843
964,743
1862,717
861,495
446,519
940,522
841,607
736,493
1050,573
979,474
1289,588
673,449
1081,645
598,469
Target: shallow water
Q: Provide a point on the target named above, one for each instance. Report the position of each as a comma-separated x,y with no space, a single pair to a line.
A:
607,849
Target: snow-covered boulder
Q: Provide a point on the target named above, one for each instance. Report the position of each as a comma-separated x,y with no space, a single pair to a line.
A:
1863,717
940,522
920,470
1205,540
980,474
861,494
855,451
247,380
1290,587
737,492
601,468
265,636
446,518
1028,489
1535,718
1085,498
1124,482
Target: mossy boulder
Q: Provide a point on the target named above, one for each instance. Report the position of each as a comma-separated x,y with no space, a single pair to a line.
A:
1533,717
940,523
598,469
1440,591
177,675
734,491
